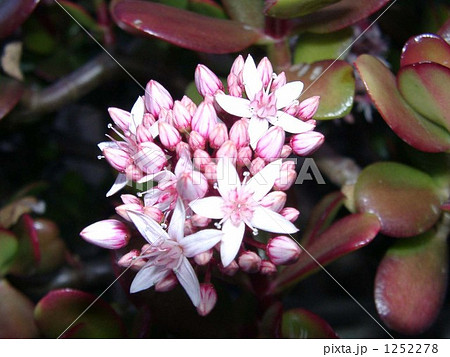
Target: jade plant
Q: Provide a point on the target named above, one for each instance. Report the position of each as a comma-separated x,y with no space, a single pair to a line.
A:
227,180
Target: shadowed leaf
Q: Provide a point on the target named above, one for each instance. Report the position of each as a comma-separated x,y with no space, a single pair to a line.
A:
270,324
10,93
183,28
411,282
13,14
426,48
409,125
444,31
8,249
208,8
301,323
294,8
405,199
248,12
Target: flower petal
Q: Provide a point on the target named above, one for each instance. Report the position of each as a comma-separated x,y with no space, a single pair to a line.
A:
148,276
288,93
137,114
256,129
251,78
200,242
189,281
210,207
231,241
291,124
121,182
227,177
176,226
270,221
234,105
148,227
263,181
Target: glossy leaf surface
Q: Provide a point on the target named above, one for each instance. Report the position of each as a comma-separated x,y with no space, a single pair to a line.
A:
409,125
10,93
183,28
444,31
411,282
8,249
334,83
426,48
13,14
405,199
294,8
301,323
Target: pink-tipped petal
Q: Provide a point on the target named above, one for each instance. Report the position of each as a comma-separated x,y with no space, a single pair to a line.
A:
251,79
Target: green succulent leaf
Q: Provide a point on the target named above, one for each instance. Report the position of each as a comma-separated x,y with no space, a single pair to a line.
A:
80,14
8,250
295,8
301,323
208,8
248,12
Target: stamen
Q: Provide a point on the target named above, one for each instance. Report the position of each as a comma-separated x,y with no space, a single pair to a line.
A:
255,232
163,225
110,126
100,157
216,186
246,176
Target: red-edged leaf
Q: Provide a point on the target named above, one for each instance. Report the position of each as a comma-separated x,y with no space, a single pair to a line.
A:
344,236
409,125
301,323
184,28
16,313
426,88
333,82
426,48
294,8
411,282
57,310
13,14
339,15
10,93
405,199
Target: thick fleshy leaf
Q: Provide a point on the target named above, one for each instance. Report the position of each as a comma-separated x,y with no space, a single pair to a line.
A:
333,82
294,8
409,125
13,14
56,312
208,8
301,323
270,325
249,12
183,28
411,282
8,244
313,47
344,236
340,15
426,48
11,91
80,14
16,313
405,200
426,88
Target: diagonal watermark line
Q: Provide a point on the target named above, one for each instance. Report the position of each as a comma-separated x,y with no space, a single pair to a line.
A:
345,50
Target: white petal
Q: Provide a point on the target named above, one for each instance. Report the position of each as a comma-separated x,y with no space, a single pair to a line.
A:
200,242
270,221
263,181
148,227
107,144
121,182
251,79
137,114
184,164
291,124
189,281
154,130
147,277
227,177
159,176
210,207
231,241
288,93
176,226
256,128
234,105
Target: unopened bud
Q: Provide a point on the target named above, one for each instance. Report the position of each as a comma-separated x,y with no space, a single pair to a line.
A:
290,213
249,261
168,135
204,119
150,158
200,221
189,105
196,141
204,258
270,144
117,158
308,107
181,117
230,269
285,151
274,200
282,250
278,82
267,268
257,165
206,81
131,259
306,143
244,157
208,299
201,159
156,98
265,71
167,283
109,234
228,150
120,117
239,133
218,135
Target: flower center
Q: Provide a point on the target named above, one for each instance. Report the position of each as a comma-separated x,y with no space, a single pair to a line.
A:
239,206
264,105
167,254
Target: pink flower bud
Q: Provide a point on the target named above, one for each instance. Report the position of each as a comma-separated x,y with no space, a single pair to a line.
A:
267,268
308,107
156,98
150,158
154,213
130,259
230,269
204,258
211,172
200,221
189,105
306,143
133,173
117,158
256,166
282,250
218,135
201,158
181,117
238,66
286,177
208,299
244,157
239,133
183,150
278,82
130,199
274,200
206,81
109,234
122,210
234,87
285,151
249,261
120,117
168,135
204,119
290,213
265,71
192,185
167,283
148,120
196,141
270,145
143,134
228,150
188,228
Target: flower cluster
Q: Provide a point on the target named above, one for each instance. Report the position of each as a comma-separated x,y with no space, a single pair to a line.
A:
217,171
